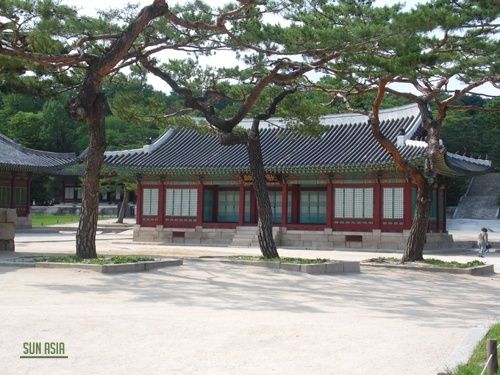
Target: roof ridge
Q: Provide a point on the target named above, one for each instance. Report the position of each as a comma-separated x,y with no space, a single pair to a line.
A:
469,159
148,148
351,118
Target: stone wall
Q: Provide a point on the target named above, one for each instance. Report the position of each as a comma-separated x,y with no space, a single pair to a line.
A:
8,218
326,239
193,236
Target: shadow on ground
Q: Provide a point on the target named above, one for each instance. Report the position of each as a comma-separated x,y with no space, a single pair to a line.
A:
411,295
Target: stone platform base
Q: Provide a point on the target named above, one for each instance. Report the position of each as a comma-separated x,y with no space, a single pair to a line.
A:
7,245
8,218
24,222
326,239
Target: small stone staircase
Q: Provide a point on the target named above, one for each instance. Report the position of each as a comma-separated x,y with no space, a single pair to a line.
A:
480,200
247,236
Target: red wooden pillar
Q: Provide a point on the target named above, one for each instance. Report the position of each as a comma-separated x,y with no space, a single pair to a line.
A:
200,205
161,203
377,206
284,203
241,219
438,214
444,211
215,204
329,205
13,190
63,183
407,206
295,203
253,207
28,195
138,206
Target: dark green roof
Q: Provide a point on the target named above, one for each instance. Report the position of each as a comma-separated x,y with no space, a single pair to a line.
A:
15,157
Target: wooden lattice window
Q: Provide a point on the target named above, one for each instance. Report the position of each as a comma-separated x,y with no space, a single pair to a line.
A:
354,203
181,202
150,202
228,206
393,203
276,205
312,206
21,196
4,196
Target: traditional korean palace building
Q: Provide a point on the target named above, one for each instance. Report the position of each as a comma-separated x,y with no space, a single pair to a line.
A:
17,166
337,190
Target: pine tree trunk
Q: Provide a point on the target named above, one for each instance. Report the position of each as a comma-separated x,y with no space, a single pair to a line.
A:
265,225
85,235
418,232
123,207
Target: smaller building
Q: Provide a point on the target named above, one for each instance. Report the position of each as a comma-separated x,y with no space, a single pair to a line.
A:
17,166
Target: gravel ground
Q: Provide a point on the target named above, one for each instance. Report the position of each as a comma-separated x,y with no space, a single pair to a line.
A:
211,318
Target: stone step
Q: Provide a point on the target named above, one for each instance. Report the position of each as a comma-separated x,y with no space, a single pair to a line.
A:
241,243
245,235
477,207
485,185
246,229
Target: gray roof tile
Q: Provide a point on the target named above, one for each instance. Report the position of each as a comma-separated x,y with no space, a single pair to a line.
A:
15,157
347,143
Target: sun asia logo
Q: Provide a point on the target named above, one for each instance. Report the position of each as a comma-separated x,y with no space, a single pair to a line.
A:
39,349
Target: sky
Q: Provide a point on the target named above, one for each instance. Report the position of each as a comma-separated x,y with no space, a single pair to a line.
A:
89,7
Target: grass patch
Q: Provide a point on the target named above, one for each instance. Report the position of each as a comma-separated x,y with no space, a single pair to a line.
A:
478,359
429,261
384,260
39,220
282,260
453,264
117,259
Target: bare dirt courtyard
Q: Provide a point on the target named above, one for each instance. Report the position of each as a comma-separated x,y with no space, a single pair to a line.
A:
206,317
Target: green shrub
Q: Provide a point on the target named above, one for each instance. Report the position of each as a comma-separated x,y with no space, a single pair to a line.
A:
282,260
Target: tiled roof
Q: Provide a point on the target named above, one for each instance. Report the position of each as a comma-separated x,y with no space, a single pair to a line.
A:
15,157
346,144
456,165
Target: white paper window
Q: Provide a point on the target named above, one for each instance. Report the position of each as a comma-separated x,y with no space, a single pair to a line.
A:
393,200
181,202
368,203
354,203
150,202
